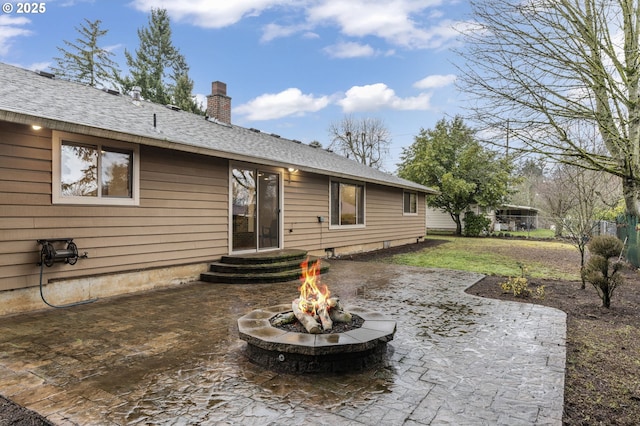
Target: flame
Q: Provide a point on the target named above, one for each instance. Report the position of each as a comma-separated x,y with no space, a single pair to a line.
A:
312,294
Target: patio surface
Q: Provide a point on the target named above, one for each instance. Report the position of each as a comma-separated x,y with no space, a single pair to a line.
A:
174,357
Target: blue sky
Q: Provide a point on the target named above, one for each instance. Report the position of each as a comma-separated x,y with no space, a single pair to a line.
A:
291,67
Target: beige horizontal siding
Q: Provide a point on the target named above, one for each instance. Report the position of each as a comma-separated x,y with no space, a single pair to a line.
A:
439,220
182,217
307,197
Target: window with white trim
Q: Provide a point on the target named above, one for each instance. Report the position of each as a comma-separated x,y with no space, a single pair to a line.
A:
89,170
347,204
410,203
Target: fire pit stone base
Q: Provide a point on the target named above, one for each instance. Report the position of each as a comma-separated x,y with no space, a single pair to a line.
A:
295,352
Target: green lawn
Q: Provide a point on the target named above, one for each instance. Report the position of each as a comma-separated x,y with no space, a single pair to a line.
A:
495,256
535,233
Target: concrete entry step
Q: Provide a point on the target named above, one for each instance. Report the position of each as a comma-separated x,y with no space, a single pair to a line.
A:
266,267
265,257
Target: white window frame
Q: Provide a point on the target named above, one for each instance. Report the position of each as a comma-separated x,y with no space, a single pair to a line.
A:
56,180
364,207
409,213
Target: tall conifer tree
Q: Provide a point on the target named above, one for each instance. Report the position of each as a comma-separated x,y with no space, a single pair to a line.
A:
158,67
85,61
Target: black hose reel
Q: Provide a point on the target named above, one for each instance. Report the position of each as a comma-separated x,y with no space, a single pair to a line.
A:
50,254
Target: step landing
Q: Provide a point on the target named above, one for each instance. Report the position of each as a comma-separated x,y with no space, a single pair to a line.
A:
264,267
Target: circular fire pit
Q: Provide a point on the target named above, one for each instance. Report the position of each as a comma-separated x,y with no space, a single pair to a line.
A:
296,352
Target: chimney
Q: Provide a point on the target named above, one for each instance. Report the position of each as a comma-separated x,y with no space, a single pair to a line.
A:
218,103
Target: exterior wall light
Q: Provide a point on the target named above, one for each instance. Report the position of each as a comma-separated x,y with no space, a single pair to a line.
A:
290,170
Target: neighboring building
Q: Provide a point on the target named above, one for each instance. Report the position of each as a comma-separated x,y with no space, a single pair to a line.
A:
153,194
506,218
516,218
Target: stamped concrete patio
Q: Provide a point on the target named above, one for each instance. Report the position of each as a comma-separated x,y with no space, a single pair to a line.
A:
174,357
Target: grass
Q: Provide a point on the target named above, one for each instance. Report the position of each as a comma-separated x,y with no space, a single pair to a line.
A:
491,256
535,233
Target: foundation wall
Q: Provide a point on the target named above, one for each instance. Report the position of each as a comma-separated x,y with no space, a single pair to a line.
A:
362,248
66,291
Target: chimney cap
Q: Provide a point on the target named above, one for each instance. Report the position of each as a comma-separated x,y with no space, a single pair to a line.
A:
219,88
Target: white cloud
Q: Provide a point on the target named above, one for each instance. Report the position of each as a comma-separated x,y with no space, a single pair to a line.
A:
10,27
70,3
435,81
201,100
210,14
39,66
113,47
349,50
390,20
289,102
273,31
398,22
377,96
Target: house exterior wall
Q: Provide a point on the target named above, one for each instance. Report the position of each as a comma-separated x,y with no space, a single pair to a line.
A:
181,219
306,197
437,220
180,224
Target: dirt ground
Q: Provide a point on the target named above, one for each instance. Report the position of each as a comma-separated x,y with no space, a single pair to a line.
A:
12,414
602,382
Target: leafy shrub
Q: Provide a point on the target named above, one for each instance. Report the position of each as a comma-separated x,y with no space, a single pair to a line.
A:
600,271
519,286
606,246
475,224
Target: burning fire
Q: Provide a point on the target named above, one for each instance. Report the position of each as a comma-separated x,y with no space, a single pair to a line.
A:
313,296
314,308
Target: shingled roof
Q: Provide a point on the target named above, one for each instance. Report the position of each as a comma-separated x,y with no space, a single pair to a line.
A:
30,97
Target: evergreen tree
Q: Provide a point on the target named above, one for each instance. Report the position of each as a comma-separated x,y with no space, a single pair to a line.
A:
450,159
183,89
158,67
86,62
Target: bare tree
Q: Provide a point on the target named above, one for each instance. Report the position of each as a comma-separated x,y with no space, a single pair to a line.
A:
366,140
556,199
530,175
575,197
543,70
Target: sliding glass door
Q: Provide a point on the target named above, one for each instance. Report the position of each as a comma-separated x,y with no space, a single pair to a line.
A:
255,209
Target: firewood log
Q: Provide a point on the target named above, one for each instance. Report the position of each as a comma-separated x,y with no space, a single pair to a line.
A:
325,319
283,318
306,306
309,323
340,315
332,302
337,311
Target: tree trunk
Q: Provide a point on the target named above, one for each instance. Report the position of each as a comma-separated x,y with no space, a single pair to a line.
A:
581,247
630,192
456,219
559,227
606,297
